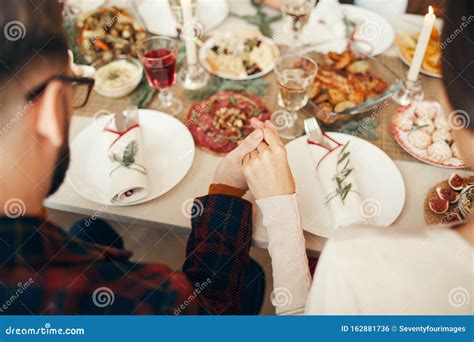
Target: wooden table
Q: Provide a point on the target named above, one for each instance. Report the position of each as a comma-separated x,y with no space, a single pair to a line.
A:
167,211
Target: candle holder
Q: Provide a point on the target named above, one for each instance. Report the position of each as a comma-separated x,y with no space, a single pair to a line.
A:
192,76
409,91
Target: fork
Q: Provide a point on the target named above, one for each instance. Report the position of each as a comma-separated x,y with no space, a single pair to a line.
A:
314,132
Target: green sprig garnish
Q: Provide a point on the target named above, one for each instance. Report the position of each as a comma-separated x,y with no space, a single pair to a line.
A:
257,87
128,159
343,187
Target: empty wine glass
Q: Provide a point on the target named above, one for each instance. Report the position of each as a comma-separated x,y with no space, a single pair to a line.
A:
294,75
296,15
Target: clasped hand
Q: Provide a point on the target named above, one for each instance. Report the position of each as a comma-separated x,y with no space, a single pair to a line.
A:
259,163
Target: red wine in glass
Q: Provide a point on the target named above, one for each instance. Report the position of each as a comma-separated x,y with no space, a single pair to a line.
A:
158,55
160,68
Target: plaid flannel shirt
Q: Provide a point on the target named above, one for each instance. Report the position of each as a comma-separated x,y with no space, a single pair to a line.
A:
43,270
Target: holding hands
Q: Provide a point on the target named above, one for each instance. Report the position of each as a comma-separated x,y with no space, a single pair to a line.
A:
266,169
259,163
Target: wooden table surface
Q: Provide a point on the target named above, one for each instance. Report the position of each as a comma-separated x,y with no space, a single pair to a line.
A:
166,212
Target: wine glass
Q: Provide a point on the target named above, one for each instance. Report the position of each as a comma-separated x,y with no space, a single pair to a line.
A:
158,55
294,75
296,15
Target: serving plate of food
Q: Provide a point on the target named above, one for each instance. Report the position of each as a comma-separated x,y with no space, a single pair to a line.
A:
422,131
106,33
220,122
450,201
241,55
406,44
349,82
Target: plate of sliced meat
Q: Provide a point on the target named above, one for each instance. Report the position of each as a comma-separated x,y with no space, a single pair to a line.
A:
220,122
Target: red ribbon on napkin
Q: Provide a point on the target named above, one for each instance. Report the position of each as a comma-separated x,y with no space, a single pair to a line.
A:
120,134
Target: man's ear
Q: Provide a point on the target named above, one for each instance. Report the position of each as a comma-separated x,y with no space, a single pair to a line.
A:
50,112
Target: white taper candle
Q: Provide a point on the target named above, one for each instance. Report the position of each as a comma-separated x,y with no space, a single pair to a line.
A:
421,45
188,20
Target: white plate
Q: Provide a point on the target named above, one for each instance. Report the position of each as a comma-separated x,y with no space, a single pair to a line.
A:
210,43
379,179
403,138
159,19
168,147
86,5
374,29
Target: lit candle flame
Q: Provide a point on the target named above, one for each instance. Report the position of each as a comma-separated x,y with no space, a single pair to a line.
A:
430,10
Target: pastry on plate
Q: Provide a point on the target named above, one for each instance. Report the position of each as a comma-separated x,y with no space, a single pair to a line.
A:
422,130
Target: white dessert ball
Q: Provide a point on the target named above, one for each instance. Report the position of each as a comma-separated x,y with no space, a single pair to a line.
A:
420,139
442,135
425,125
439,151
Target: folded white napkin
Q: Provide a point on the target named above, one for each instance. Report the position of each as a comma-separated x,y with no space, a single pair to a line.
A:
325,25
127,170
332,163
328,21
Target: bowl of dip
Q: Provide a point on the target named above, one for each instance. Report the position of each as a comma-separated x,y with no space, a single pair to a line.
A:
118,78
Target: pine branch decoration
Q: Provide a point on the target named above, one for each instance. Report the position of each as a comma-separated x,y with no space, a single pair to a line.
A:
128,159
257,87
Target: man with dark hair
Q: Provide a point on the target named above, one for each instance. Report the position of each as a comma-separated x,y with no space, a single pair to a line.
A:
43,270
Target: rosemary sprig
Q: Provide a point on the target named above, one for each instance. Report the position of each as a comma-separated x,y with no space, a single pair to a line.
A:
143,94
343,186
416,127
128,159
